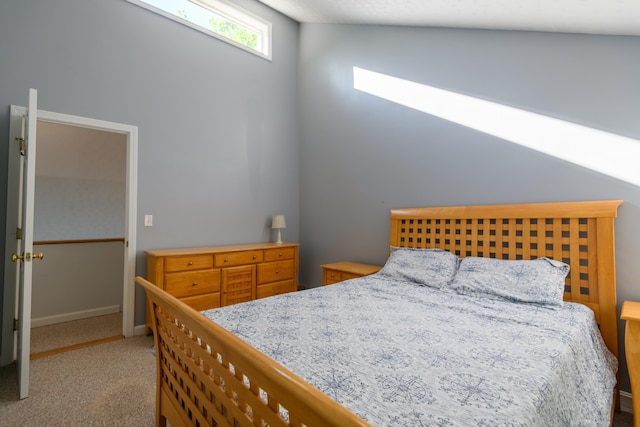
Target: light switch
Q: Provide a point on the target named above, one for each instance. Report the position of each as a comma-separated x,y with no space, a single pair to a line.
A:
148,220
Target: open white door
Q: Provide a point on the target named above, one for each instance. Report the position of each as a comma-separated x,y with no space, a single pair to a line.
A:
9,348
16,197
24,246
20,220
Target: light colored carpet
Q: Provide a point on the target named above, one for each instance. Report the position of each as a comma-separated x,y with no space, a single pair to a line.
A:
65,334
110,384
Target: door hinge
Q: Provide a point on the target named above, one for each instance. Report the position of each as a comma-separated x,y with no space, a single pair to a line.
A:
18,233
22,147
15,324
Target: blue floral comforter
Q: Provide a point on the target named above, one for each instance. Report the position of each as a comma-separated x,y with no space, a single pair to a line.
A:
400,354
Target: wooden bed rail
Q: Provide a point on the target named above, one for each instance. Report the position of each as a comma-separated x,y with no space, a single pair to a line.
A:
209,377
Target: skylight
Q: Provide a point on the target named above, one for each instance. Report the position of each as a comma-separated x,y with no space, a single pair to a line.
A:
219,19
604,152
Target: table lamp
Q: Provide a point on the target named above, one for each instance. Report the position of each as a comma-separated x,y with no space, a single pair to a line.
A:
278,223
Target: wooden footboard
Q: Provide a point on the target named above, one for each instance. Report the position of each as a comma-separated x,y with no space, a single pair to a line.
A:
207,376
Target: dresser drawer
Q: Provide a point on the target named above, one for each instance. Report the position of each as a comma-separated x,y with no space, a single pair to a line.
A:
237,258
275,271
279,253
332,276
203,302
190,283
188,262
275,288
238,284
339,271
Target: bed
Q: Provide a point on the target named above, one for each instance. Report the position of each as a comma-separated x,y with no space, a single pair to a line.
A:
490,362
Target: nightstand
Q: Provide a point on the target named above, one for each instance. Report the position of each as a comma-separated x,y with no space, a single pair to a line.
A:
339,271
631,313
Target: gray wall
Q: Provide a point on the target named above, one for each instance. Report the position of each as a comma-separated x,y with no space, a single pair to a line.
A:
218,127
77,280
80,184
361,156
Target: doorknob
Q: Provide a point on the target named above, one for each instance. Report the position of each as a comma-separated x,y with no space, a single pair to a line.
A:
27,256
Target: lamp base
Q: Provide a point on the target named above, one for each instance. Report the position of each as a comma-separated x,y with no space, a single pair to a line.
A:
279,241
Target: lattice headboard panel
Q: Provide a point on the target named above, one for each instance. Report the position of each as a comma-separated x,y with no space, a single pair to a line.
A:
577,233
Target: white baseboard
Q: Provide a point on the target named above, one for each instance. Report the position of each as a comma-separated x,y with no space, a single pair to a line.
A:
68,317
625,402
139,330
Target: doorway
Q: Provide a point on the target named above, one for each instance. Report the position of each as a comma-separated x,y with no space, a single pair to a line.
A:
80,192
127,137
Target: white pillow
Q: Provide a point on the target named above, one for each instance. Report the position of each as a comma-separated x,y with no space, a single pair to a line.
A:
539,281
429,267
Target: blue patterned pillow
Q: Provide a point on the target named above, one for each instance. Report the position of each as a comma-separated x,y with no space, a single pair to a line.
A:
429,267
539,281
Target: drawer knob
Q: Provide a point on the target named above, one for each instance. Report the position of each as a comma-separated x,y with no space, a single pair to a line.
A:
190,263
332,275
226,260
194,284
254,257
280,254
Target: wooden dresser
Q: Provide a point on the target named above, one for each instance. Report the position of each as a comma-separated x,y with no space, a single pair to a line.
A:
215,276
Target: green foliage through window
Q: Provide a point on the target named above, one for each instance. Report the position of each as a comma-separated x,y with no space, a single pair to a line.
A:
233,31
220,19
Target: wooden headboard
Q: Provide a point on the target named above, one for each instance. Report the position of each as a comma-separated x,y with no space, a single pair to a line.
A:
577,233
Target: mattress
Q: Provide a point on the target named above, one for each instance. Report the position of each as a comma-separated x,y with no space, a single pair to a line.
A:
399,353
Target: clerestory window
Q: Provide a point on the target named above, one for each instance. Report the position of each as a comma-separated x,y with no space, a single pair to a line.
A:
218,19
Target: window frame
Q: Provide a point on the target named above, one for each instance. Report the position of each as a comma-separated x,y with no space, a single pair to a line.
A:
229,12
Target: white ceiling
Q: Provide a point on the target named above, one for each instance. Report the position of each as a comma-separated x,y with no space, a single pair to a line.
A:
616,17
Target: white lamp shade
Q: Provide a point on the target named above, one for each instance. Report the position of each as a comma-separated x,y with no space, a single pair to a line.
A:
278,222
